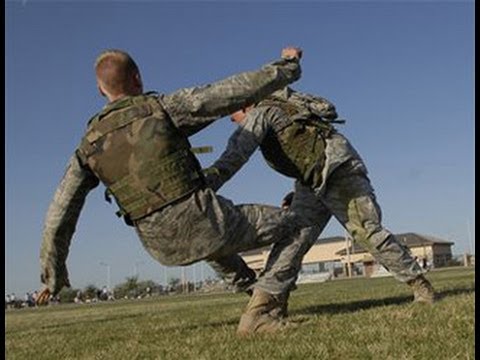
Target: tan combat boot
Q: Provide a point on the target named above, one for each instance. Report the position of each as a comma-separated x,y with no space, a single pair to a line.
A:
422,290
257,318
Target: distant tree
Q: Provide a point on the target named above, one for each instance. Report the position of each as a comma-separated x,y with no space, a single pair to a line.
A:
175,285
90,291
131,283
67,295
134,288
173,282
147,287
128,288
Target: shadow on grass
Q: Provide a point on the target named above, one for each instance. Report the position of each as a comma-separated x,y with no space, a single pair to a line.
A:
354,306
452,292
334,308
330,309
348,307
324,309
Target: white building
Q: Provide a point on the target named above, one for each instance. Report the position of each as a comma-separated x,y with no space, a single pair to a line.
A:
333,256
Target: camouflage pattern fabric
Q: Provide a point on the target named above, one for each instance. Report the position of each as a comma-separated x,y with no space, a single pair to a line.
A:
209,226
62,216
191,110
135,150
345,193
234,271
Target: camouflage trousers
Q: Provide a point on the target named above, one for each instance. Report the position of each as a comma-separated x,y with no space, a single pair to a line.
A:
284,230
349,197
207,226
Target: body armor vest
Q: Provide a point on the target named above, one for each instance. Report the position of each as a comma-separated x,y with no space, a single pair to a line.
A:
142,158
297,148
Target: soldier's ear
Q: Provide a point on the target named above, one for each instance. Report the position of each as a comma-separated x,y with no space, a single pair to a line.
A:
100,90
137,80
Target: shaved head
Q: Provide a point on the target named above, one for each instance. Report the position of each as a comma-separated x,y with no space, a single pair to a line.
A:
115,71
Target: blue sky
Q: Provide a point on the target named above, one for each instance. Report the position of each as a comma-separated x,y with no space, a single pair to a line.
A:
401,73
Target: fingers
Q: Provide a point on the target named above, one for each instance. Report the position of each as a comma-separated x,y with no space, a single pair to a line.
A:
43,297
299,52
292,52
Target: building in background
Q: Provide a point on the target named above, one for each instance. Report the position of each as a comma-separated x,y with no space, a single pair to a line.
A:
337,257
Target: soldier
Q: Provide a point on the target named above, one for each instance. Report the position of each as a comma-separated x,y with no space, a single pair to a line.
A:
138,147
297,138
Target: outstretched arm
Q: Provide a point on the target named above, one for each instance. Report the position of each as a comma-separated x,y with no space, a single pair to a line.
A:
60,223
194,108
241,145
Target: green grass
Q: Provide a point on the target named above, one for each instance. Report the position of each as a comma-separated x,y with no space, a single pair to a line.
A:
343,319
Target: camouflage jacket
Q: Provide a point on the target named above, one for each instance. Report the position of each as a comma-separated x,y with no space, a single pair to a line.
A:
191,110
252,132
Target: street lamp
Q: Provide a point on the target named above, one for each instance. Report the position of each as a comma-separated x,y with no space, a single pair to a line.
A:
135,267
108,273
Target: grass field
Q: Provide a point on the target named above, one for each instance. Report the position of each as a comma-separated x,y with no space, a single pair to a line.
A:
342,319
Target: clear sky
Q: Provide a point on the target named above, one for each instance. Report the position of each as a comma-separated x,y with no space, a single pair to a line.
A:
401,73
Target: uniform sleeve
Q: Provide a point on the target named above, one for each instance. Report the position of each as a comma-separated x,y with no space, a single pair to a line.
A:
60,223
194,108
241,145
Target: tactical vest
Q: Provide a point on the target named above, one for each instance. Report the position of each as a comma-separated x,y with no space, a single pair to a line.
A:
296,149
142,158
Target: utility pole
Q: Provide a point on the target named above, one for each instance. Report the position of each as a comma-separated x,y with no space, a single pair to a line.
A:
165,279
349,264
184,284
108,274
194,278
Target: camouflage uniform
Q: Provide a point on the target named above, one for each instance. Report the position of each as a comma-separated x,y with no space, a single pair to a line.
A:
344,191
199,226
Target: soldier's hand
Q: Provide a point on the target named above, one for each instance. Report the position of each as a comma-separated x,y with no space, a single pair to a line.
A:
44,297
292,53
54,278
